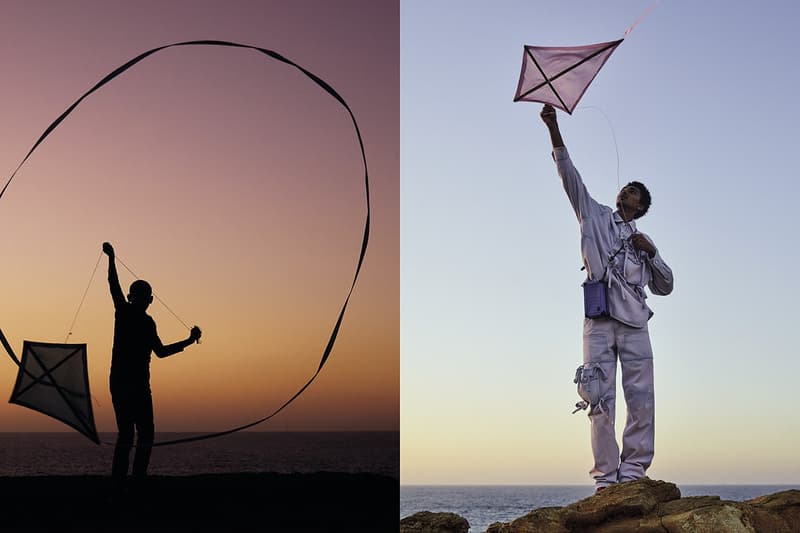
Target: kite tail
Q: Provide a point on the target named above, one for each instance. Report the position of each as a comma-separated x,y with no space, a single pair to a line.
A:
641,18
365,239
8,348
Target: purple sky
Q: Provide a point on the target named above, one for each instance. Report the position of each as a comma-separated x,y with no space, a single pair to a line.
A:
228,180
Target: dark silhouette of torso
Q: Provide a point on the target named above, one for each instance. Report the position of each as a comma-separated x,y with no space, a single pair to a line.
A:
135,337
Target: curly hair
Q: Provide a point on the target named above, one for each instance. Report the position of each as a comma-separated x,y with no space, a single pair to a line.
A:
644,197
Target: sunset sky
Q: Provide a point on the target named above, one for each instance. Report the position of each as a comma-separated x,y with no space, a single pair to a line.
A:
702,100
229,181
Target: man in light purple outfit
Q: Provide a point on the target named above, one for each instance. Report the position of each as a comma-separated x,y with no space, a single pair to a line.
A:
626,261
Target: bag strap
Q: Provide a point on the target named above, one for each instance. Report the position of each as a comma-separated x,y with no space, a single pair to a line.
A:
610,257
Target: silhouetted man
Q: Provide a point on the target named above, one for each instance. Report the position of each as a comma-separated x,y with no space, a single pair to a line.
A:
620,262
135,337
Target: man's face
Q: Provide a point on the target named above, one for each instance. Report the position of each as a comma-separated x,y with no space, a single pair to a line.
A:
629,200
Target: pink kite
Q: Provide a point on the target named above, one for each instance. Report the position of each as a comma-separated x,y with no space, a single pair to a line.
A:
559,75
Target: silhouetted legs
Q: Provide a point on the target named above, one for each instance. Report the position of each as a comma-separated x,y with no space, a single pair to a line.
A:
134,412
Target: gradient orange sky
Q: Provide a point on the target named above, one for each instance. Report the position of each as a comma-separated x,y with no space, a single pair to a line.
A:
229,181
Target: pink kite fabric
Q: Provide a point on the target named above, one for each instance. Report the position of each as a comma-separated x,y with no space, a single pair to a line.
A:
559,75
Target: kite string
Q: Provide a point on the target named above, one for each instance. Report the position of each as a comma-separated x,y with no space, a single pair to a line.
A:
155,295
77,311
86,291
616,148
80,305
613,135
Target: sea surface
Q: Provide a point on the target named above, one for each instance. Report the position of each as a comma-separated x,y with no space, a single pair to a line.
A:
55,454
484,505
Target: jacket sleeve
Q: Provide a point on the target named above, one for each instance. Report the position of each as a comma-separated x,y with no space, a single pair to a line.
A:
582,202
661,281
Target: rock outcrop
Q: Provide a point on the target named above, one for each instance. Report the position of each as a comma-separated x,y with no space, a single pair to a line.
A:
427,522
649,506
643,506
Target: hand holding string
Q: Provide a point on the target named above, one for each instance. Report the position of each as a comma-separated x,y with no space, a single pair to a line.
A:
195,334
641,243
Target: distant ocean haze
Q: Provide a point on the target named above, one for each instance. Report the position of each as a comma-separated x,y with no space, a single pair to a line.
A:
64,453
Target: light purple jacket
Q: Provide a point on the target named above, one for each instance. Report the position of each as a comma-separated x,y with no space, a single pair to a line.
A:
603,232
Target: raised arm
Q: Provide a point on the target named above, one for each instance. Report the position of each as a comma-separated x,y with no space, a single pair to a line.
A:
548,115
113,279
582,202
176,347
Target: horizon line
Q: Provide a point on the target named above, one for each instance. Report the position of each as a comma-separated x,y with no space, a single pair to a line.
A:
590,485
243,431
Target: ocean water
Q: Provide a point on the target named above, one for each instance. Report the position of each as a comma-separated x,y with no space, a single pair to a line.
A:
484,505
40,454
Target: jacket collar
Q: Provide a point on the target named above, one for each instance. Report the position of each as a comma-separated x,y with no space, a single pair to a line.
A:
618,220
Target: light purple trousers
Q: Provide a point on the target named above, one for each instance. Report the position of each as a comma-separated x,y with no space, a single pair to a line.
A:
604,341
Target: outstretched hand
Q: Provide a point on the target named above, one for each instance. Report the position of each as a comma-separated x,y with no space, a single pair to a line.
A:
195,334
108,249
548,115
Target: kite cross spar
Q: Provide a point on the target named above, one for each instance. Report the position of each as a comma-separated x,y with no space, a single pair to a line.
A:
560,75
50,388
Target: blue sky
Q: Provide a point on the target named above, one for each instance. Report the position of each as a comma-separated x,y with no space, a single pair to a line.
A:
700,97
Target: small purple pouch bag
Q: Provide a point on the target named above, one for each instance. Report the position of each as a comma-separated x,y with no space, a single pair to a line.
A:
595,299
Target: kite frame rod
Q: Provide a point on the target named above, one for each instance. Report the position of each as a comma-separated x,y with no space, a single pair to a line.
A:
546,81
81,419
39,380
17,362
581,62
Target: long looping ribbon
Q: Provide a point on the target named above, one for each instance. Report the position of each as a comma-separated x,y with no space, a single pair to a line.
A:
327,88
